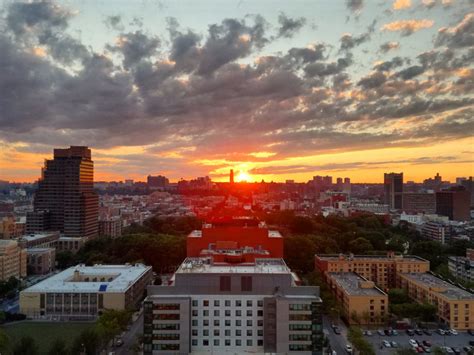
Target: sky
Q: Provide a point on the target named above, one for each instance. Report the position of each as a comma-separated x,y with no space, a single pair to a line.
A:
275,90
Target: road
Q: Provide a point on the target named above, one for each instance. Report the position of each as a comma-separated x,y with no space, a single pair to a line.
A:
129,337
338,342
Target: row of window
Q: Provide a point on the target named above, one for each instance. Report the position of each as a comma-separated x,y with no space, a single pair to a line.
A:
227,342
227,313
227,332
300,307
227,322
167,306
227,303
225,283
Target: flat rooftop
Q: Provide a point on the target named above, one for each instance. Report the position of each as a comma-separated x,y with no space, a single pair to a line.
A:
38,236
350,283
117,278
271,233
350,257
261,266
445,288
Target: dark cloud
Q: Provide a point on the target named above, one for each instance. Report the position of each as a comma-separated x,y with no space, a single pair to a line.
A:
390,64
372,80
355,5
459,36
135,47
411,72
389,46
289,26
114,22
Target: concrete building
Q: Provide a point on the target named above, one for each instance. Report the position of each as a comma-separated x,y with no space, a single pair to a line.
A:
455,203
362,302
222,308
381,269
157,182
83,292
39,240
419,203
455,306
12,260
438,231
11,228
40,261
69,244
393,190
468,184
65,199
110,227
462,267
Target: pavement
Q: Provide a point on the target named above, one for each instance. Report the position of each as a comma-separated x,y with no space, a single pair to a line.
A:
338,341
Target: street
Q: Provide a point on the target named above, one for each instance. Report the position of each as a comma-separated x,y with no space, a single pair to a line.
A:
129,337
338,342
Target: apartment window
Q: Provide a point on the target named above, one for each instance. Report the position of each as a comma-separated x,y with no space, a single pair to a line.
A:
216,303
194,342
216,322
238,323
225,283
260,303
205,313
238,313
195,323
260,342
249,303
216,332
260,332
249,342
238,303
227,312
246,283
227,342
249,313
238,342
216,342
249,322
227,303
249,332
260,313
227,322
205,342
216,313
260,323
205,332
227,332
195,332
205,322
195,312
238,332
205,303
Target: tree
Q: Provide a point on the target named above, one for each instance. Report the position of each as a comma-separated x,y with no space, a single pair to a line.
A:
87,341
65,259
58,347
360,246
25,346
301,225
398,296
299,253
4,340
111,323
356,337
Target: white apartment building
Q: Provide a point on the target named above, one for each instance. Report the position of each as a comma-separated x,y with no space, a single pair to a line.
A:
217,308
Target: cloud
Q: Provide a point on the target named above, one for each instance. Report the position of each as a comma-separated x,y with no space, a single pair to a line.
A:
459,36
135,47
408,27
355,5
411,72
389,46
289,26
114,22
401,4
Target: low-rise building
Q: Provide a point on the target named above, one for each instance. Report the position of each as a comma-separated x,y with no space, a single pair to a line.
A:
462,267
110,227
40,261
12,260
381,269
71,244
362,302
39,240
455,306
83,292
242,308
438,231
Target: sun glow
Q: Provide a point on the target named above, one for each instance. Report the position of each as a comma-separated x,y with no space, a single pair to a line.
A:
243,176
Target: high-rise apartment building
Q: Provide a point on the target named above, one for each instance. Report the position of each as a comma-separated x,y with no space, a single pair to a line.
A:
157,182
419,202
454,203
223,308
12,260
65,200
393,190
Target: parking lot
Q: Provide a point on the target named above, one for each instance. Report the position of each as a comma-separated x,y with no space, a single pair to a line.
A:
436,340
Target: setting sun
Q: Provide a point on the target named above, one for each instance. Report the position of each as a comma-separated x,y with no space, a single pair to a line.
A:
243,176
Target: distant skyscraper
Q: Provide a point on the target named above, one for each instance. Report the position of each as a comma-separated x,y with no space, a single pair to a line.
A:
156,182
231,176
454,203
469,186
65,200
393,190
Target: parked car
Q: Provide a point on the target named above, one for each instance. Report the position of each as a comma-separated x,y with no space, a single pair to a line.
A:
471,342
426,343
394,332
368,333
349,348
441,332
471,331
426,349
410,332
413,342
380,332
453,331
448,350
386,344
394,344
467,348
418,332
387,332
336,330
427,331
420,350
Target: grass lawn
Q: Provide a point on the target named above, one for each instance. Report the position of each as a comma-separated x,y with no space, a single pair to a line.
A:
44,333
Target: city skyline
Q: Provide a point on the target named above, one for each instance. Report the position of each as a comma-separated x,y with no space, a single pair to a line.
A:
352,88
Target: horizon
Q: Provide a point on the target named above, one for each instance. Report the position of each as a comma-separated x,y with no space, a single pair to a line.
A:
351,88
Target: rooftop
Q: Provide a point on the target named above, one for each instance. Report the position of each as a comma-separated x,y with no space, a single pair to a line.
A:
81,278
271,233
440,286
261,266
36,236
335,257
351,283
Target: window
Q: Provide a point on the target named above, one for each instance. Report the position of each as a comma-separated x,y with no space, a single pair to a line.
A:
260,303
195,312
195,303
260,342
249,342
227,342
195,332
205,303
227,332
216,342
225,283
194,342
205,322
238,342
246,283
249,303
249,332
238,303
227,303
249,322
238,332
205,313
249,313
227,322
227,312
216,322
205,342
238,323
216,313
260,332
216,303
216,332
238,313
205,332
195,323
260,313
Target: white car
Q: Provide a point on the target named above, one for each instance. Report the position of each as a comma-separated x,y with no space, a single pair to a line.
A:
413,342
349,348
453,331
386,344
